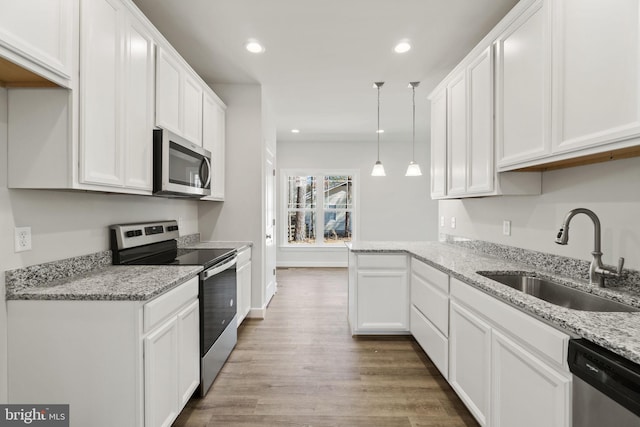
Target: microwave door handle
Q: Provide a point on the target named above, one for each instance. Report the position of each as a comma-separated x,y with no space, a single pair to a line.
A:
208,163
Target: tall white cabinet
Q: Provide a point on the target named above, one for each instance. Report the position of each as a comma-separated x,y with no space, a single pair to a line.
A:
523,87
116,63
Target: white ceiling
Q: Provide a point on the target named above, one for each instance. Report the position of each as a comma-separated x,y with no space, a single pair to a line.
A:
322,56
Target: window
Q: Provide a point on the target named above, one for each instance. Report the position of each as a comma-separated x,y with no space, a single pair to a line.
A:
320,208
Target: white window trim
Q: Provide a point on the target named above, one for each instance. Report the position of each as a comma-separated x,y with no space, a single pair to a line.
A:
320,244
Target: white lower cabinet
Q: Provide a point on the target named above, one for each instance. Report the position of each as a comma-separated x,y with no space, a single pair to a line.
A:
470,361
525,391
116,363
379,294
507,367
243,277
430,313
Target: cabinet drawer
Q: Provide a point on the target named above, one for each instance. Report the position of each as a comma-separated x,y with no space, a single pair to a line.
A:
432,302
431,340
168,303
244,256
385,261
527,330
430,274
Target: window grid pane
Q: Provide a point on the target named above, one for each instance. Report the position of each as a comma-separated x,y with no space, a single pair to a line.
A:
301,226
338,191
302,192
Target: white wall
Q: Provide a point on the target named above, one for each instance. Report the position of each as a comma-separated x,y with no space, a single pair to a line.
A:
394,207
609,189
66,224
239,217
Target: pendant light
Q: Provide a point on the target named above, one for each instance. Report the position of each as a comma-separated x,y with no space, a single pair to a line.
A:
378,169
413,169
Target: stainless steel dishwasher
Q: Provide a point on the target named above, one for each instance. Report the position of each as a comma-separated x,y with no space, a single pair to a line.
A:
606,387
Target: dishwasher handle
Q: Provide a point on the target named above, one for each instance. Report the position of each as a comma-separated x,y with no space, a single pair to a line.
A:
610,373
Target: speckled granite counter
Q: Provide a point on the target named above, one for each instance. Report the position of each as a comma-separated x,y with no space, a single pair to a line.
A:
92,277
619,332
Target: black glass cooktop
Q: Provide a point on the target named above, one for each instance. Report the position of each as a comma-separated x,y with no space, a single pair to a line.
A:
206,257
166,253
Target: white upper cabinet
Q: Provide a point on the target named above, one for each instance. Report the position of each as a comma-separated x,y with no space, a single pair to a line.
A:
168,91
462,135
480,165
456,135
139,97
39,36
523,88
596,61
179,97
439,145
116,64
101,60
192,110
213,139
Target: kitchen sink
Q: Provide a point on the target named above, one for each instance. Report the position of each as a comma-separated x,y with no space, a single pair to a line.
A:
558,294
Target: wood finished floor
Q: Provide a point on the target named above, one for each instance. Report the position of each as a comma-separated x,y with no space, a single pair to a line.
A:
301,367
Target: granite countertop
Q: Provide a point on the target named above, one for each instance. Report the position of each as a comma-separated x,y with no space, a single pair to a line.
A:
618,332
110,283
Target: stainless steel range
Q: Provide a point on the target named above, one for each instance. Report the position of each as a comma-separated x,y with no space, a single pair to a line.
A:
154,243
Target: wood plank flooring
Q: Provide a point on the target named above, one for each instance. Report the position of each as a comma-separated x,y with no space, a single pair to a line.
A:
301,367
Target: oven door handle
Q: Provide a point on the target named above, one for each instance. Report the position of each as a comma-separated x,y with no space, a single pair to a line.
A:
215,270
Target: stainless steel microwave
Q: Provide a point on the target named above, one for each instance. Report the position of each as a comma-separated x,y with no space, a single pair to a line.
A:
180,168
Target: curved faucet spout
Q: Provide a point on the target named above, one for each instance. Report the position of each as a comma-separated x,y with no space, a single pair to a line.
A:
597,271
563,234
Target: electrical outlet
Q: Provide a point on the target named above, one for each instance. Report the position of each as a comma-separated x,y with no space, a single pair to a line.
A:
506,227
442,221
453,222
22,239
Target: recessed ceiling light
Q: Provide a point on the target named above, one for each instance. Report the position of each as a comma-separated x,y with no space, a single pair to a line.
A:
254,46
402,47
295,130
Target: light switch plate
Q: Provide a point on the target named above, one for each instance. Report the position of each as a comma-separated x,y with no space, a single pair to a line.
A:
22,239
442,221
506,227
453,222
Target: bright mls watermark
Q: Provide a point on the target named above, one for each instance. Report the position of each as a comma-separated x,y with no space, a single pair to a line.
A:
34,415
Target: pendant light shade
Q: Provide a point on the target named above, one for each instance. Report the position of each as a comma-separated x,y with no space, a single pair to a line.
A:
413,169
378,169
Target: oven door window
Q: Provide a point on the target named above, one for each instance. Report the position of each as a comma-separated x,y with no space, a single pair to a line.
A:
187,167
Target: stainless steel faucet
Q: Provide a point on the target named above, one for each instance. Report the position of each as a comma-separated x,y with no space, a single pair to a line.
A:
597,271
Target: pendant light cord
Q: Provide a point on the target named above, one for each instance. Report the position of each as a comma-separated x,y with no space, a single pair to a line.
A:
413,144
378,129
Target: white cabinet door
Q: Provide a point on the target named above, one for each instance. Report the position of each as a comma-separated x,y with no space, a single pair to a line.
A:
168,91
213,139
41,32
523,88
160,375
470,360
101,76
380,293
596,72
526,392
457,135
439,145
479,156
139,95
189,351
383,300
192,109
